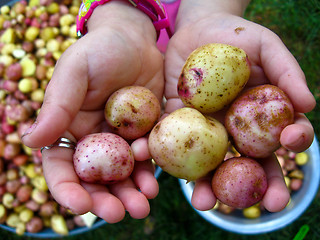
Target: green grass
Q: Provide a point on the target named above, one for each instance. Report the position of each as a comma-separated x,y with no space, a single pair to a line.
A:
297,22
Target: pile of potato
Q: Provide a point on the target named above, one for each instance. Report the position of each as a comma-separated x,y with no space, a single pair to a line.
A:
33,35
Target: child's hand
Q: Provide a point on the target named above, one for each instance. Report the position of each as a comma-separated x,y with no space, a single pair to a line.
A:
271,62
119,50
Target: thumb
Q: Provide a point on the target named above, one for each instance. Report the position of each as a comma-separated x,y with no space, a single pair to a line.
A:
63,99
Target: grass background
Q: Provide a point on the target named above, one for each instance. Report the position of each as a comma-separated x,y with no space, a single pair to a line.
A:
297,22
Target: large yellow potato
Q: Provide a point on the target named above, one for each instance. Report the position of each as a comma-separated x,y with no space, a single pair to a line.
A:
188,145
213,75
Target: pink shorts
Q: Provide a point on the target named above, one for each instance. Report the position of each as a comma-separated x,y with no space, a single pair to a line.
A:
172,9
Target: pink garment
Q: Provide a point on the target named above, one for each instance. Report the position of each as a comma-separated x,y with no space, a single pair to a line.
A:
172,10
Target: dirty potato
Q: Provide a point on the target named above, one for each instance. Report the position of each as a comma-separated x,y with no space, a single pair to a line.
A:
213,75
188,145
132,111
256,119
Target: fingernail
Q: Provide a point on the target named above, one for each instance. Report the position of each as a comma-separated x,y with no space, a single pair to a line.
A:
30,129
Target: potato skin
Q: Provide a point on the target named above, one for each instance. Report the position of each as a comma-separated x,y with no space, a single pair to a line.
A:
239,182
256,118
188,145
132,111
213,75
103,158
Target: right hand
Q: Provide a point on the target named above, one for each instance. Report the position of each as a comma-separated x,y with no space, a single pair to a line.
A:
271,62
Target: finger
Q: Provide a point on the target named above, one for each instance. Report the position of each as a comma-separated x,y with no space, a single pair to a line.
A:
203,197
277,195
63,182
173,104
284,71
63,99
143,177
105,205
87,122
175,58
134,201
298,137
140,149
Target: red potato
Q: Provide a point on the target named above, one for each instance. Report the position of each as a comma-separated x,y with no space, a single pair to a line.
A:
12,186
14,72
103,158
256,118
132,111
34,225
239,182
296,184
24,193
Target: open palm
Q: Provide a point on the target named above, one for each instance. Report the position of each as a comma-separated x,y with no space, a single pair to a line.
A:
271,63
106,59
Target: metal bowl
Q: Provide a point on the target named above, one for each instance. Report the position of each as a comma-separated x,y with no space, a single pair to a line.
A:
268,222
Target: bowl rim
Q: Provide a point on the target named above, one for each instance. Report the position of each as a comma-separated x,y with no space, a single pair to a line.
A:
9,2
279,220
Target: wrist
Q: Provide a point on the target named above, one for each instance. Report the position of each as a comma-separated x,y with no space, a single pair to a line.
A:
191,11
120,15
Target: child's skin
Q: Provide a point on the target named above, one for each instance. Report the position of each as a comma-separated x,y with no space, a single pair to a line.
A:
271,62
120,50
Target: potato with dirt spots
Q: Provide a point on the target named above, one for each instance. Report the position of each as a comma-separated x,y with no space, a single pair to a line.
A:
188,145
256,119
132,111
103,158
239,182
213,75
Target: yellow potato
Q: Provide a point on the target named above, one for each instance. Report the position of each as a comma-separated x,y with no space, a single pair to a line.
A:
188,145
213,76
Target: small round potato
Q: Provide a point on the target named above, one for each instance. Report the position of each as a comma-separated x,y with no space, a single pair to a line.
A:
103,158
256,119
132,111
239,182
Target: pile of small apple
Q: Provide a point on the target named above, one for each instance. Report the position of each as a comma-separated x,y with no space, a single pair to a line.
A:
189,143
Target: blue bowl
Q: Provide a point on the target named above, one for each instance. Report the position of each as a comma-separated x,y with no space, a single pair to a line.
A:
9,2
268,222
